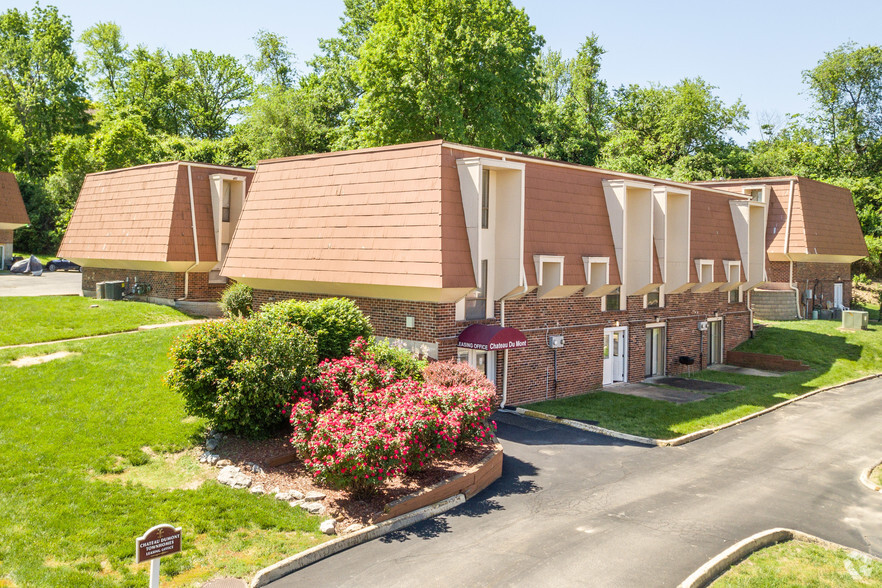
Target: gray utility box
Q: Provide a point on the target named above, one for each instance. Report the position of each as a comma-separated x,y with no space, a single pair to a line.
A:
100,290
855,320
113,290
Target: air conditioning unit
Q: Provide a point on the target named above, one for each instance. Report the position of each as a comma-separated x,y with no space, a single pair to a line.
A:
702,325
556,341
855,320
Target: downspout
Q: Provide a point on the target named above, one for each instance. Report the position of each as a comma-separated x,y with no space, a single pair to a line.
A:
787,247
502,323
195,240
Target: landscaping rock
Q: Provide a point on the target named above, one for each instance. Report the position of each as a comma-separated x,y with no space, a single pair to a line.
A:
353,528
296,502
314,496
315,508
327,527
211,444
209,458
224,463
297,495
233,477
286,496
257,489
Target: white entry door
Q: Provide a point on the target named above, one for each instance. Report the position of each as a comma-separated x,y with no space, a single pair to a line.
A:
837,295
615,352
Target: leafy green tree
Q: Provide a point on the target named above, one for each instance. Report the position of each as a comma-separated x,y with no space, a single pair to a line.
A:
214,89
679,132
281,122
11,138
107,57
847,88
573,113
460,70
332,86
42,82
273,64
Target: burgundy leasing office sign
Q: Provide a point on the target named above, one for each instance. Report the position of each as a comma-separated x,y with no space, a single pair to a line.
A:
491,338
159,541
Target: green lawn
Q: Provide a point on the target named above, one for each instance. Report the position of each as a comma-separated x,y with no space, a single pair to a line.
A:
834,356
29,319
65,424
797,564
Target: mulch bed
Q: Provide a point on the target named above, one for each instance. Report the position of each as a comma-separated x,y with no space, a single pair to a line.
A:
343,507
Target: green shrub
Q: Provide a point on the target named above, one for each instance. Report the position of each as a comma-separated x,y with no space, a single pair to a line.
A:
334,322
236,300
403,361
237,373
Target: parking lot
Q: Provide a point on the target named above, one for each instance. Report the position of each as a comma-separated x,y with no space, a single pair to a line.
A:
57,283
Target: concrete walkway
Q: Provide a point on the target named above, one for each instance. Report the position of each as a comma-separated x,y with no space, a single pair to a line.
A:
577,509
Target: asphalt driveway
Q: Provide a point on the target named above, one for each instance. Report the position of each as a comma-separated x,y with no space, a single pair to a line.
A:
577,509
49,284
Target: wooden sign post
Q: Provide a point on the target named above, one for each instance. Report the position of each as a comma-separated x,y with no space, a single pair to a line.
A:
156,542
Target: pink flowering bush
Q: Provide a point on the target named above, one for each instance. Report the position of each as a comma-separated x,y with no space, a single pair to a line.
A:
356,425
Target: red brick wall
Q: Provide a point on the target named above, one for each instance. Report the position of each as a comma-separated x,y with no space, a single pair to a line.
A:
579,319
820,277
165,284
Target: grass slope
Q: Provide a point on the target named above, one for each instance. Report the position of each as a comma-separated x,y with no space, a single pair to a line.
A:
31,319
64,423
796,563
834,356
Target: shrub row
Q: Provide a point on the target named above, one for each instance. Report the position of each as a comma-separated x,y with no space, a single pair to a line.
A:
237,372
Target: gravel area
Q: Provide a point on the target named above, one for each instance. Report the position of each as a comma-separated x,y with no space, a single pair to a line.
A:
343,507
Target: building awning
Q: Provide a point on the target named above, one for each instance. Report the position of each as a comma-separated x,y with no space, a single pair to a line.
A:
491,338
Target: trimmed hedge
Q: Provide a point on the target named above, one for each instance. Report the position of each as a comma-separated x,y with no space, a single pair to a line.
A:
236,373
334,322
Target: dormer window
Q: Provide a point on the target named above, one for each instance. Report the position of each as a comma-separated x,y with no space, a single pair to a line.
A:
756,193
225,206
476,301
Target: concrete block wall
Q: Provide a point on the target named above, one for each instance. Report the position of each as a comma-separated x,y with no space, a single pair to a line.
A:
774,305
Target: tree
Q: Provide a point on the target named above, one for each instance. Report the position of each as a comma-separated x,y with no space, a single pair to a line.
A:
847,88
11,138
107,58
42,82
678,132
573,113
214,89
460,70
273,64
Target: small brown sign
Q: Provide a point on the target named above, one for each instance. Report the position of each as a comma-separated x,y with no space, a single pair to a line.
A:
159,541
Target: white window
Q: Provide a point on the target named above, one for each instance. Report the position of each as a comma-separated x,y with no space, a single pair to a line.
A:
655,350
652,299
483,361
476,301
612,301
485,199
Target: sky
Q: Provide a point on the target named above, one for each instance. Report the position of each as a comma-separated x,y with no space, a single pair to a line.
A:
749,49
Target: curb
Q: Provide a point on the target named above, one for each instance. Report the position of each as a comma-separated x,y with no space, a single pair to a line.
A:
865,478
714,568
310,556
688,438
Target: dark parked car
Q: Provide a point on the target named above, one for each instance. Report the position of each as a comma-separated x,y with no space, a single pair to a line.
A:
63,264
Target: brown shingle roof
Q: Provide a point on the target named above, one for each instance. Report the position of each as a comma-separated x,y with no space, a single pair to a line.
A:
12,208
824,221
371,216
143,214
